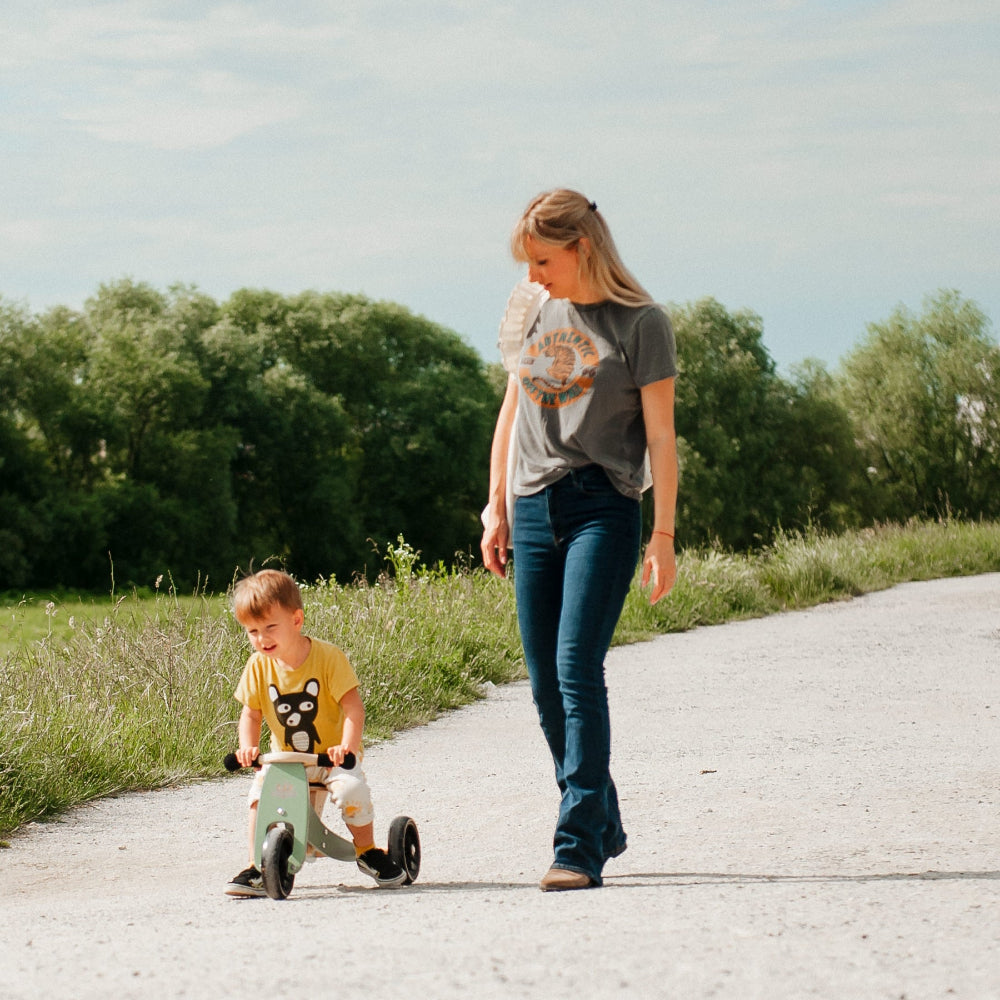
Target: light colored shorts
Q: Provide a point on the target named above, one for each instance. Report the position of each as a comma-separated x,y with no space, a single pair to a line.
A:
348,789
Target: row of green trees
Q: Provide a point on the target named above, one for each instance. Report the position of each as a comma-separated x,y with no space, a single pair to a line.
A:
165,433
161,433
908,426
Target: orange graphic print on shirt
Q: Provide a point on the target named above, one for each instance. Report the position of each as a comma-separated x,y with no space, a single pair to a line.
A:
559,367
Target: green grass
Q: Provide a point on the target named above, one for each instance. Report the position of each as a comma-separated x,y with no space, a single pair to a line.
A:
99,697
802,571
29,617
26,618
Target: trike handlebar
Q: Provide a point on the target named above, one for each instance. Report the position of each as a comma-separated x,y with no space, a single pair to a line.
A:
288,757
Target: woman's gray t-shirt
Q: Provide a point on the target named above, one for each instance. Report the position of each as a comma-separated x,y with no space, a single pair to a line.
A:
580,372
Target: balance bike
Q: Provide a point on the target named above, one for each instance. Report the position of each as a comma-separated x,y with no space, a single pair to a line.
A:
287,824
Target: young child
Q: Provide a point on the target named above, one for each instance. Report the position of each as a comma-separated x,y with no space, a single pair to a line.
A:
307,692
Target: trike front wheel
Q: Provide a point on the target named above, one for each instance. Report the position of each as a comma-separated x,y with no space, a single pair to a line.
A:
274,855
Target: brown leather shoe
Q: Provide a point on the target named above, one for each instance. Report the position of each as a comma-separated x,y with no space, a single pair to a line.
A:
561,879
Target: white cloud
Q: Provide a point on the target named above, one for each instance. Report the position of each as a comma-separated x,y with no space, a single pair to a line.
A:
134,72
19,235
170,111
144,32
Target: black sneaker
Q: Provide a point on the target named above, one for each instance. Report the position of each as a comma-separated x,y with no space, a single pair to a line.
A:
381,867
249,882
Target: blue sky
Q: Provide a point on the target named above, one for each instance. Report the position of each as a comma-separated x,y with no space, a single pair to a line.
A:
817,163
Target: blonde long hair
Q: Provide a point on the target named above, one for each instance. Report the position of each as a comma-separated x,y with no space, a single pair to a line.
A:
562,218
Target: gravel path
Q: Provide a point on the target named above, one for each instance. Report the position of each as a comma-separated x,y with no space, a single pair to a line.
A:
813,807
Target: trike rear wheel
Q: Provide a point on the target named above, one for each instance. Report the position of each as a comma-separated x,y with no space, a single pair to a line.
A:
404,846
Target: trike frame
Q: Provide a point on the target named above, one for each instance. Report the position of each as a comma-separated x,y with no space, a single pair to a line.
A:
288,827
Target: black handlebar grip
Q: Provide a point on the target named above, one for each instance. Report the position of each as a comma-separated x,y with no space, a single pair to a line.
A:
232,764
350,760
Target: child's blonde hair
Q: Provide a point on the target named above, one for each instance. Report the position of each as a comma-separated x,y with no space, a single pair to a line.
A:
255,595
562,218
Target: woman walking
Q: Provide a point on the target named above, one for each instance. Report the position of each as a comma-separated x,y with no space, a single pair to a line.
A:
586,422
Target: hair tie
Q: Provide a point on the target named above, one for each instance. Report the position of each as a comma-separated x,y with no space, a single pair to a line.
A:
593,206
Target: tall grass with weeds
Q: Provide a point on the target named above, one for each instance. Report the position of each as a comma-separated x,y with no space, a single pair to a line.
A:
421,640
803,570
133,699
140,694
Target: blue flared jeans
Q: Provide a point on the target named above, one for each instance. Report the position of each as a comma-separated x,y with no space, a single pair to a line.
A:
575,544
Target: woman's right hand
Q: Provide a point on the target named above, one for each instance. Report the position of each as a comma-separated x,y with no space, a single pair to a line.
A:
496,527
496,539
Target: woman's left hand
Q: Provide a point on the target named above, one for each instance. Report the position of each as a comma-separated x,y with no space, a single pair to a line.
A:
659,565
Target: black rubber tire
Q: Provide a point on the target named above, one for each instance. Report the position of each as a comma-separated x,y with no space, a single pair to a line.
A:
277,849
404,846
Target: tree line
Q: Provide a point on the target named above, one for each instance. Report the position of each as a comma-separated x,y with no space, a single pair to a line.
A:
154,433
908,426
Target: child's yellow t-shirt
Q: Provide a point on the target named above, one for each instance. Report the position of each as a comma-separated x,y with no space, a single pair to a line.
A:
301,707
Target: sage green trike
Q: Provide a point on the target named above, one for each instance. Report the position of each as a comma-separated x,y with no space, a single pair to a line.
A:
287,824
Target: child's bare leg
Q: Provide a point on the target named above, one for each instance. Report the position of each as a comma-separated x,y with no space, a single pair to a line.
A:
253,830
318,797
364,837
